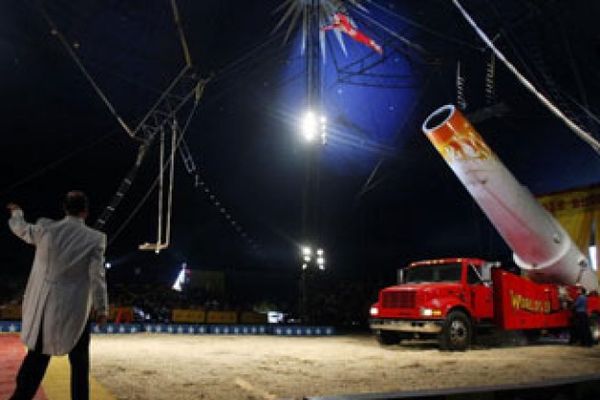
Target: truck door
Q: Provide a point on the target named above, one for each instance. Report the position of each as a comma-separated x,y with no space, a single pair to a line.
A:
481,296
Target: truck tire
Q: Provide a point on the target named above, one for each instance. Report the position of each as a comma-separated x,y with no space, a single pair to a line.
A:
456,333
595,328
387,338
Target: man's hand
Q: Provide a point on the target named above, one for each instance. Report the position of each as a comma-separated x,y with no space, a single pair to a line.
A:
13,207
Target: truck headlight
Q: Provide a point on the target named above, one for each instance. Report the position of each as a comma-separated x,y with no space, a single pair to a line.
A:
426,312
431,312
374,311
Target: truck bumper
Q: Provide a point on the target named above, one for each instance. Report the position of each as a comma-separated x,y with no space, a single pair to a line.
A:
412,326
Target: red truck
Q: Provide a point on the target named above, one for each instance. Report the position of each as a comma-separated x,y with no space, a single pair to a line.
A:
453,298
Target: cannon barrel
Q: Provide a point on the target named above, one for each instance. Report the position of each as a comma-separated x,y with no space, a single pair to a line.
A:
541,247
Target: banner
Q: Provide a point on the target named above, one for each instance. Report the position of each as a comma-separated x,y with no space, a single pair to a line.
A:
184,315
578,211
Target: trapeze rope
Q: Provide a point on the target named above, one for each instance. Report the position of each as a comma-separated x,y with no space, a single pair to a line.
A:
587,137
163,242
155,183
174,129
184,45
123,187
441,35
55,32
161,182
401,38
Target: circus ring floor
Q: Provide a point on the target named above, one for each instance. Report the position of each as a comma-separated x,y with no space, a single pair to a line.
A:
166,366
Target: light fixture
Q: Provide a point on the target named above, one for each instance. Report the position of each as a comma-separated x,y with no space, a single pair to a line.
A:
310,261
323,129
321,263
312,126
309,126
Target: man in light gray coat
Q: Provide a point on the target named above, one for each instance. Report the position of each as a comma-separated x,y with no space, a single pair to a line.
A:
66,284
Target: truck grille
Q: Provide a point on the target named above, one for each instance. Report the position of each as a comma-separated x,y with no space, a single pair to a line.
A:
398,299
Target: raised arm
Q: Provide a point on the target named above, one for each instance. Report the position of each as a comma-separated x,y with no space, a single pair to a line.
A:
30,233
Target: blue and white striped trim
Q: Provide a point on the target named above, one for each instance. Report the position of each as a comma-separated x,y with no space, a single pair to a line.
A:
293,330
196,329
10,326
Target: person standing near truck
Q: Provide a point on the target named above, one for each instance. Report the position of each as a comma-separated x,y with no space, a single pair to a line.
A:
581,321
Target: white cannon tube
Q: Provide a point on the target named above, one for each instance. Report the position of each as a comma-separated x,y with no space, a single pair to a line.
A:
540,245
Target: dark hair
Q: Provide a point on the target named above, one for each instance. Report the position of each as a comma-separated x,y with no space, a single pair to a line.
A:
75,202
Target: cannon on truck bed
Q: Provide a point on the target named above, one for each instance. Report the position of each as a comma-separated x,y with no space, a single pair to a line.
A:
453,298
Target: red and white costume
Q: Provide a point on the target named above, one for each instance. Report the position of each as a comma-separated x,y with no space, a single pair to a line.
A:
342,23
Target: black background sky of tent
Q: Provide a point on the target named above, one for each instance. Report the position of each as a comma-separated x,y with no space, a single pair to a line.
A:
419,211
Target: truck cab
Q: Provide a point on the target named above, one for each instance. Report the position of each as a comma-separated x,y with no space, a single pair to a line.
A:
445,298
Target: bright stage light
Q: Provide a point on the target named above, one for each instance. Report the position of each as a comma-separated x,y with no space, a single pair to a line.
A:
323,130
313,125
312,258
107,265
321,262
321,259
309,126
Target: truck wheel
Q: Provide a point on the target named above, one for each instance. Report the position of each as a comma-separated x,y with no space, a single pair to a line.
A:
456,332
387,338
595,328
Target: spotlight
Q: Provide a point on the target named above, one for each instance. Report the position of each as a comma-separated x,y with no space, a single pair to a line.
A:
309,126
313,125
107,265
321,262
323,130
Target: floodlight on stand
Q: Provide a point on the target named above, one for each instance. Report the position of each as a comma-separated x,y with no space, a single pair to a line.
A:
309,126
306,251
323,129
313,125
321,262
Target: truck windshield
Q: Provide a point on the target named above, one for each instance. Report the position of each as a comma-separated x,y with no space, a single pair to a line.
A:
434,273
